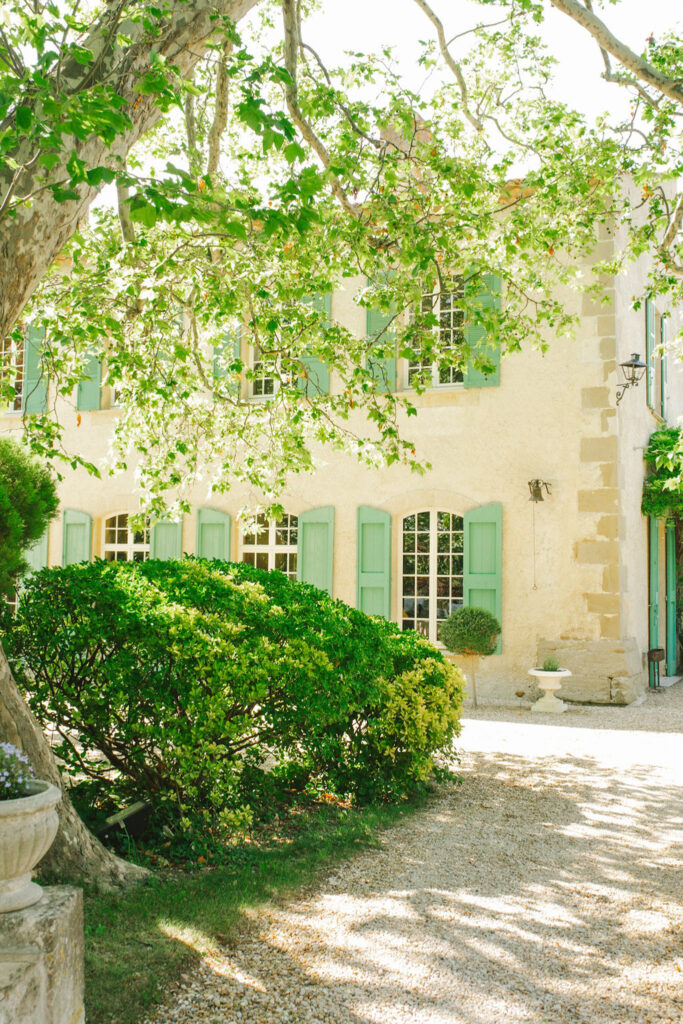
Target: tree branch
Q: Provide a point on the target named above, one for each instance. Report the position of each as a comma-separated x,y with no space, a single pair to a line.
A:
605,39
220,116
452,64
291,40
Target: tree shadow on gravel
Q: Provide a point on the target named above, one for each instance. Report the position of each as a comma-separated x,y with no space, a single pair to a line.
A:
535,892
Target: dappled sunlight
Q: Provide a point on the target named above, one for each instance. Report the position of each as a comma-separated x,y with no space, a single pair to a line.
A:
544,888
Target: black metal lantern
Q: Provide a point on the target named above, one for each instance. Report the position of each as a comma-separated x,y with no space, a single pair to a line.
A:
633,370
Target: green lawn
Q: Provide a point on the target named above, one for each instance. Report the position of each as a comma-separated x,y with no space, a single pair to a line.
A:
137,942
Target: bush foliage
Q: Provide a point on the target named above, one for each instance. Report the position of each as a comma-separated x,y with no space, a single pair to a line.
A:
28,501
204,684
470,631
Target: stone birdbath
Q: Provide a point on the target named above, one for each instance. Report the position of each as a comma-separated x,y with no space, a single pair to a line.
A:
549,681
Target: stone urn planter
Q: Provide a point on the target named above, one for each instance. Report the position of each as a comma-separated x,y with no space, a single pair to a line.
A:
28,826
549,682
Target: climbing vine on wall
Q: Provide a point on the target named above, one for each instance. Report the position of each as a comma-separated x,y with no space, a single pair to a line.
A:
662,490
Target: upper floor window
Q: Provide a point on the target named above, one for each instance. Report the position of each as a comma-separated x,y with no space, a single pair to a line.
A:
12,359
264,383
273,545
122,543
432,572
447,306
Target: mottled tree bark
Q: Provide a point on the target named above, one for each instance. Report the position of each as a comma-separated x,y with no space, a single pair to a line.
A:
32,238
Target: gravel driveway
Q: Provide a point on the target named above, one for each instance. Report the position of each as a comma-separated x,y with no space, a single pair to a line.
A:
545,888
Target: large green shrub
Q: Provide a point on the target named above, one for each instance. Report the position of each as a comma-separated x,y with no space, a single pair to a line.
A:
186,676
28,501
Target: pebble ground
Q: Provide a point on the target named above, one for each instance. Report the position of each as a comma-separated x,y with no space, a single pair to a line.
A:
545,888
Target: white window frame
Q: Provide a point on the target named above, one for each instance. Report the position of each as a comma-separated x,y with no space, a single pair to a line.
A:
435,369
272,548
16,356
433,621
130,547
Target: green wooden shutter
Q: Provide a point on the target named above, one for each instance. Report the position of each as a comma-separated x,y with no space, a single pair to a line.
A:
230,347
213,533
315,558
671,623
167,540
76,536
88,395
36,556
376,328
653,607
483,560
35,376
373,559
650,350
317,372
665,366
484,293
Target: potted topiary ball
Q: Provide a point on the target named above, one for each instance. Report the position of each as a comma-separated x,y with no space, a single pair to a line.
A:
472,632
28,826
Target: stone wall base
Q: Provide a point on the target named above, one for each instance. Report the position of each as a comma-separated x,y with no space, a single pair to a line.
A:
41,960
603,671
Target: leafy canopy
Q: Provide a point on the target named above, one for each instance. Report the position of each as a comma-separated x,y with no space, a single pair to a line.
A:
662,489
271,178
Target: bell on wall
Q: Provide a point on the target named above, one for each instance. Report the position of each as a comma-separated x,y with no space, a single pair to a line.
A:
536,489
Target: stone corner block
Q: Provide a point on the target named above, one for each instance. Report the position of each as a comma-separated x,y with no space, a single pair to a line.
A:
41,960
605,671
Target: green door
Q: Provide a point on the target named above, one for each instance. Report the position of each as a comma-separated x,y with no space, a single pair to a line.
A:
374,562
671,630
653,606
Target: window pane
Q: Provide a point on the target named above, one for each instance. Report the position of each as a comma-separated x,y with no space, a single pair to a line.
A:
408,608
443,521
423,542
422,562
409,523
409,585
409,564
423,586
408,541
423,520
281,561
292,563
249,557
261,559
443,542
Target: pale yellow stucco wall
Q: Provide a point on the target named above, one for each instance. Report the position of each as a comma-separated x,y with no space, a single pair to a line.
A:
553,417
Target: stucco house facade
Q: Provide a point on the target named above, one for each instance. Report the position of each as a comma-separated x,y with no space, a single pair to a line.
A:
581,574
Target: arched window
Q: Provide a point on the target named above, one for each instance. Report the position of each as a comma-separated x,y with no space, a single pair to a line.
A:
123,544
432,544
273,545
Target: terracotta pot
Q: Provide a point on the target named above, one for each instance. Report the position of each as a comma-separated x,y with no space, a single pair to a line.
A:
28,827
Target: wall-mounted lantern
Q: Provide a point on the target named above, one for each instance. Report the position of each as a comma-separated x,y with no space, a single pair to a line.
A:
633,370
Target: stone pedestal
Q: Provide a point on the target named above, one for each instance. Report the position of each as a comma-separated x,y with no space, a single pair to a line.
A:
41,960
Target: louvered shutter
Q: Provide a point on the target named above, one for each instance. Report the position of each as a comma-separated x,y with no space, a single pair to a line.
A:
483,560
650,351
315,557
76,536
36,556
379,328
88,394
167,540
213,533
373,556
317,379
665,367
230,349
35,376
485,293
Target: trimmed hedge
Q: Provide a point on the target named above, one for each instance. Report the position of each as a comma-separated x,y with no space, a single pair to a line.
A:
189,677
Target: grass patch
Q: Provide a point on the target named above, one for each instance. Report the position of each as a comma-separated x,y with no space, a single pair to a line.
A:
136,943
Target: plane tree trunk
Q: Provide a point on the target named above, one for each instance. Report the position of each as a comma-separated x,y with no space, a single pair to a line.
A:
76,855
34,234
